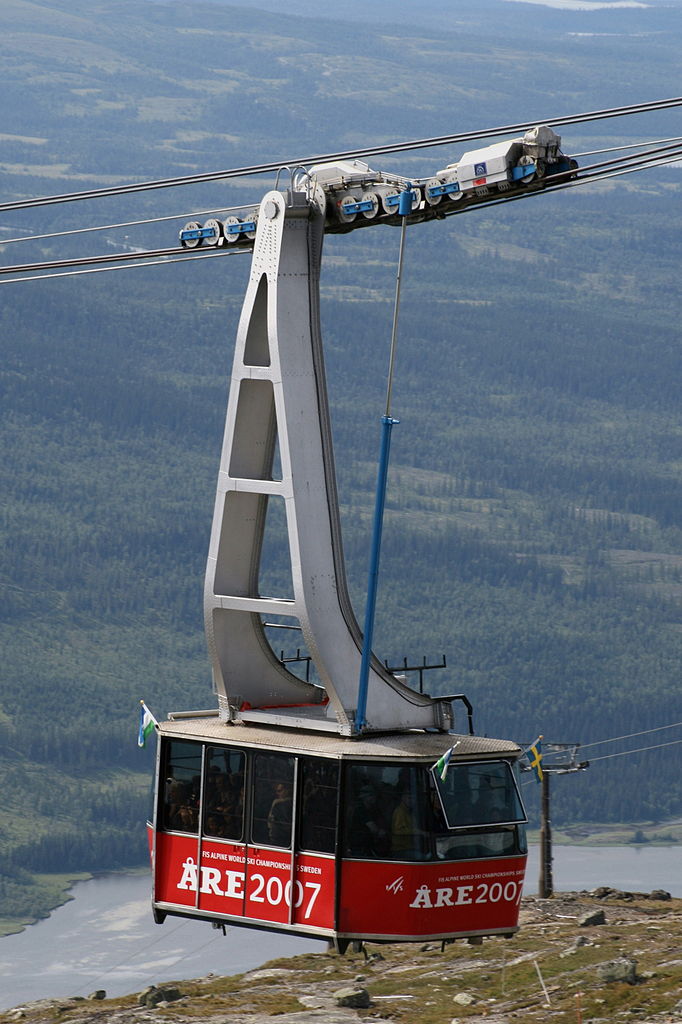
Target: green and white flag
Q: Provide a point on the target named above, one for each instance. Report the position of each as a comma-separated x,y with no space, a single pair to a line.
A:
147,724
443,763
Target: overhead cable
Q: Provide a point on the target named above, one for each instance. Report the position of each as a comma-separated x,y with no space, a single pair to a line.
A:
124,257
567,179
642,156
632,145
637,750
398,147
127,224
630,735
206,254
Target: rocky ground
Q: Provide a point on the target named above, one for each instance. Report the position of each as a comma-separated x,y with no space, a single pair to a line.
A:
579,957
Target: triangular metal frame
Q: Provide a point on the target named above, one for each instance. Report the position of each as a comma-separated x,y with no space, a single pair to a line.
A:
278,391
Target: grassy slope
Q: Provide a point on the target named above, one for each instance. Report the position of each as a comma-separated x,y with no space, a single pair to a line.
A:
501,976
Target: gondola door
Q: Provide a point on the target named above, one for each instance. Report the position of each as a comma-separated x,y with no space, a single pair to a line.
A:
290,867
222,855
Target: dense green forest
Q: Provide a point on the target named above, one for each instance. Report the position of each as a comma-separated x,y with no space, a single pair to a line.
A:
534,517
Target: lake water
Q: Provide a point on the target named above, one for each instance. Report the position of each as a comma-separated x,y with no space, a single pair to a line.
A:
105,936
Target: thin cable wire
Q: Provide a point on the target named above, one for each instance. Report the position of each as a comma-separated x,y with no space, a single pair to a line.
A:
127,266
130,957
185,956
593,172
642,156
633,145
637,750
630,735
130,223
125,257
442,140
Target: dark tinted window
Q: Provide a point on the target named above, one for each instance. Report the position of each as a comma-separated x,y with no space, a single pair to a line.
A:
273,791
224,793
479,794
393,812
319,799
387,812
181,784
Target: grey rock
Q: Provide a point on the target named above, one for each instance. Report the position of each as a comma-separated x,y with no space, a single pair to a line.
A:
464,999
152,996
98,994
580,941
623,969
593,918
356,998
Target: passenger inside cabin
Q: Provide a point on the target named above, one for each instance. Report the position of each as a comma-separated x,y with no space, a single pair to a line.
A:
493,799
185,819
368,836
406,836
279,815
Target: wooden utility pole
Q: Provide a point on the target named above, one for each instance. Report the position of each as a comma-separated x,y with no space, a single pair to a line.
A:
557,759
546,882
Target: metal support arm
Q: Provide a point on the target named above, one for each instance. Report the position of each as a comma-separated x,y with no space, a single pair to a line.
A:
278,393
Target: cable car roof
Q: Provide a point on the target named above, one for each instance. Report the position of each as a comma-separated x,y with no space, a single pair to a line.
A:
414,743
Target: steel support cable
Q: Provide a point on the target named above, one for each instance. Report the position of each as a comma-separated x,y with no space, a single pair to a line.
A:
630,145
592,172
637,750
130,957
398,147
128,224
185,956
632,160
619,753
164,262
158,254
630,735
247,206
164,259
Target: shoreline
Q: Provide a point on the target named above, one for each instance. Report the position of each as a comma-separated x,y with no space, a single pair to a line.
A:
583,834
644,833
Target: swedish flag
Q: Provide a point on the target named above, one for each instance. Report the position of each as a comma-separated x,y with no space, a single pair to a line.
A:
534,755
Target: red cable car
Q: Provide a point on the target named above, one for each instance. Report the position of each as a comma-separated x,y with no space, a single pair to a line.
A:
295,805
334,837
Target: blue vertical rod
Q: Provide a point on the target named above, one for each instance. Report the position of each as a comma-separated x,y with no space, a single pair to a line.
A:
387,424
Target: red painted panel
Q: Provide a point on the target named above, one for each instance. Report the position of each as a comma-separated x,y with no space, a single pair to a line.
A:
314,899
267,874
397,899
176,869
222,878
270,891
245,882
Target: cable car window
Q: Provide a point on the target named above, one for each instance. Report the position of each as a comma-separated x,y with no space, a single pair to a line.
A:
273,791
394,812
224,793
182,784
319,796
386,813
479,794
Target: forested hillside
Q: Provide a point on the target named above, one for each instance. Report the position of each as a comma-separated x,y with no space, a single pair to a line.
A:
534,517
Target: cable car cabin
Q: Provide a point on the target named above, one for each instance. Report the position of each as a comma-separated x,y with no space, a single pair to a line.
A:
321,835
